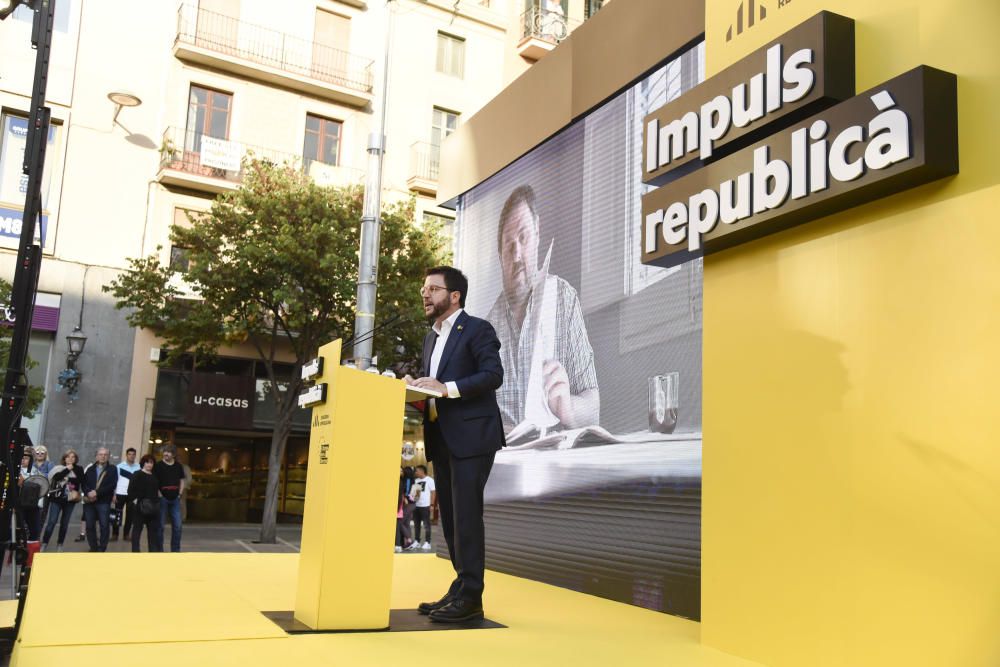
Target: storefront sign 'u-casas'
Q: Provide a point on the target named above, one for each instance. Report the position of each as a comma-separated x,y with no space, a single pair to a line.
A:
220,401
895,136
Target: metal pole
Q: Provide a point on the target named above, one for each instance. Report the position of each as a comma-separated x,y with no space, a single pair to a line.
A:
364,320
23,292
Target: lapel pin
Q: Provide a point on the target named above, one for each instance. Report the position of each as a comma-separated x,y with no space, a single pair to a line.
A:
459,327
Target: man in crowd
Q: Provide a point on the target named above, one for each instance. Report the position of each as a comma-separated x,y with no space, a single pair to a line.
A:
570,379
462,432
100,480
425,494
170,476
125,470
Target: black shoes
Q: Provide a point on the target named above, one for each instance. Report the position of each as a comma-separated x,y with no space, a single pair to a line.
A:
459,610
427,607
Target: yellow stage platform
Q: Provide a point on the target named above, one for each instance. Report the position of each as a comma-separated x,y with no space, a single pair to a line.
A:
205,609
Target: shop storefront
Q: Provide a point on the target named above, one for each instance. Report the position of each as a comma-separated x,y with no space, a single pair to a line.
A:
220,417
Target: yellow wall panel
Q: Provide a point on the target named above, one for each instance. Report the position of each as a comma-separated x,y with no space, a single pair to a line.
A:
851,498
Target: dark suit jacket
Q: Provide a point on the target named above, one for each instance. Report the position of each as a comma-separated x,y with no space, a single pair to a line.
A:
471,424
106,491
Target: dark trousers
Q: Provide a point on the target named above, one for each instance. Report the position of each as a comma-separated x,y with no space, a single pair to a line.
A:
58,509
154,531
460,484
421,514
32,521
97,514
173,508
127,513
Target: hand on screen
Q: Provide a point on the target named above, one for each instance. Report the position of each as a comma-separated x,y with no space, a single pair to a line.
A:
557,390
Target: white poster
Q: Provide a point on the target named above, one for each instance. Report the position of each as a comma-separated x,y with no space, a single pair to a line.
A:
221,154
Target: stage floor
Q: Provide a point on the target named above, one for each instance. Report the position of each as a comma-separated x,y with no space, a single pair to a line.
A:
199,609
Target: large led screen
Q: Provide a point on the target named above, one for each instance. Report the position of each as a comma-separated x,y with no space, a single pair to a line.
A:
599,489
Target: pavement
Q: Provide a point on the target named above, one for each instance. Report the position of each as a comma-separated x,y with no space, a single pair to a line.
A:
197,537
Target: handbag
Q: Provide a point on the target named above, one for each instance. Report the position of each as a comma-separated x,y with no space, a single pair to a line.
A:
149,507
72,496
100,478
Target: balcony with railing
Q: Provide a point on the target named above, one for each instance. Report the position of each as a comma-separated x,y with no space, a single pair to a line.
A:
195,161
425,165
270,56
542,30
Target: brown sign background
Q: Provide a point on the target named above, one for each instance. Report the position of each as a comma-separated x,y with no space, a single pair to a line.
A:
830,36
220,401
928,96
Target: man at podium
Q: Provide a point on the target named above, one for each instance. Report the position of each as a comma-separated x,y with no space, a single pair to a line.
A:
462,432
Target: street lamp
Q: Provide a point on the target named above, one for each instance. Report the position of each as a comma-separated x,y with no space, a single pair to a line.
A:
69,377
121,99
76,340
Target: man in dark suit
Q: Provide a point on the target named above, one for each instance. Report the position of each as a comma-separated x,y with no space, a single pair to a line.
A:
462,432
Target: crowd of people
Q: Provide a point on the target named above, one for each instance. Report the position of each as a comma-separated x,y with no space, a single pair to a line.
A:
123,499
417,497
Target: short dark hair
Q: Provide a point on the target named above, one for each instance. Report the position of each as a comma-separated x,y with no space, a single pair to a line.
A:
454,280
147,458
522,194
422,467
130,449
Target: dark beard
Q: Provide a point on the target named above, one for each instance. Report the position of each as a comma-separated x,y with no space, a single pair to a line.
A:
439,310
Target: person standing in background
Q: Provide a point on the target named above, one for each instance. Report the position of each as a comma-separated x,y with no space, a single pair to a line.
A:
65,481
425,495
126,469
170,475
100,480
143,500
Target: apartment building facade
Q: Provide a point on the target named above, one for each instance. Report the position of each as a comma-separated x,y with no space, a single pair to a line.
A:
205,83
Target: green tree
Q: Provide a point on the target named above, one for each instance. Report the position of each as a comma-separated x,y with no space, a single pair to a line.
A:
35,394
275,264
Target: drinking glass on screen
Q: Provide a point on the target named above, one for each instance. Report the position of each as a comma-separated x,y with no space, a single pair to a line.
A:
663,402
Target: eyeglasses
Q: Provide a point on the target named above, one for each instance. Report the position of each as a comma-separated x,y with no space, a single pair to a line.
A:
427,290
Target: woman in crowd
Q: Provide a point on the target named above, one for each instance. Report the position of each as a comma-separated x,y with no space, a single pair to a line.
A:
144,500
42,460
65,481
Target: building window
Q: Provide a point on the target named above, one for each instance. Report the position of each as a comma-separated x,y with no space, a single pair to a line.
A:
14,182
451,55
209,112
61,22
443,123
180,259
322,140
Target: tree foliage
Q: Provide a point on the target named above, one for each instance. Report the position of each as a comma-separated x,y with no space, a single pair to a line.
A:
274,264
35,394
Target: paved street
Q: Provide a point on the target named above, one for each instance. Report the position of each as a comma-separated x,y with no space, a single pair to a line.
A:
197,537
207,537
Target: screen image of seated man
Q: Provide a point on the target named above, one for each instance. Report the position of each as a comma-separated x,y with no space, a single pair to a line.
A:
569,378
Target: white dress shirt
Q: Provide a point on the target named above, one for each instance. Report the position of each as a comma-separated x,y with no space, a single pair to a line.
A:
443,330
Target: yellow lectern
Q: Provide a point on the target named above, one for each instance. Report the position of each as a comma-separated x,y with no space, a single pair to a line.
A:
351,493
